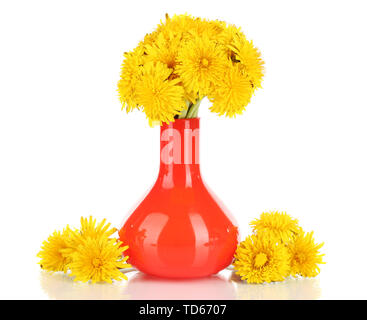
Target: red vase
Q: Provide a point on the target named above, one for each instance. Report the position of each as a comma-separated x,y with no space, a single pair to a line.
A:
180,229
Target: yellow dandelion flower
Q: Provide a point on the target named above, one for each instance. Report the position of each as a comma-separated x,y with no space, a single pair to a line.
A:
305,255
52,254
249,58
149,38
131,71
259,259
181,25
227,36
277,225
231,93
164,50
215,28
99,260
229,33
201,64
210,29
90,228
160,97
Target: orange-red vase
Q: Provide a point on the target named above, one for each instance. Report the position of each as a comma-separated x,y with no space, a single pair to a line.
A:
180,229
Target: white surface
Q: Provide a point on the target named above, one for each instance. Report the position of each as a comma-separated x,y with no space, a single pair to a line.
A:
68,151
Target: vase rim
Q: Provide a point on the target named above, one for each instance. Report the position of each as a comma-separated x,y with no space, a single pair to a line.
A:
181,120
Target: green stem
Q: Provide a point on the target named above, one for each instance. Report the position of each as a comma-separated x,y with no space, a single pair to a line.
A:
184,112
194,110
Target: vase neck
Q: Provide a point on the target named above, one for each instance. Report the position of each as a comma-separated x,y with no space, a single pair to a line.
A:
179,153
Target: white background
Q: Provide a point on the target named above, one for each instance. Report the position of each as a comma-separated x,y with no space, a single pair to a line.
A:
66,149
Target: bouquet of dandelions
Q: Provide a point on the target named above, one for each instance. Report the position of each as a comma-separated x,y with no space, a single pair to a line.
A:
184,60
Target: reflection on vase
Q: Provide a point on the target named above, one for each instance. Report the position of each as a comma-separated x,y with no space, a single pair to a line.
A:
145,287
289,289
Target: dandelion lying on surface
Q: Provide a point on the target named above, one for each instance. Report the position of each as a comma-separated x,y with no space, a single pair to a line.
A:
89,252
279,248
278,225
259,259
52,254
99,260
305,255
90,228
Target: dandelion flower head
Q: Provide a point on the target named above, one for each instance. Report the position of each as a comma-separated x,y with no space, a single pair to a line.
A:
278,225
258,259
99,260
305,255
53,255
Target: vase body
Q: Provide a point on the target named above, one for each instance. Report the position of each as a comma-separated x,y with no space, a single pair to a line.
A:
180,229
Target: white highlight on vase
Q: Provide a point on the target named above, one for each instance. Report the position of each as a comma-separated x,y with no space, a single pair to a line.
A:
202,239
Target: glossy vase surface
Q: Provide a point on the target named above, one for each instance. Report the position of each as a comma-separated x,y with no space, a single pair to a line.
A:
180,229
